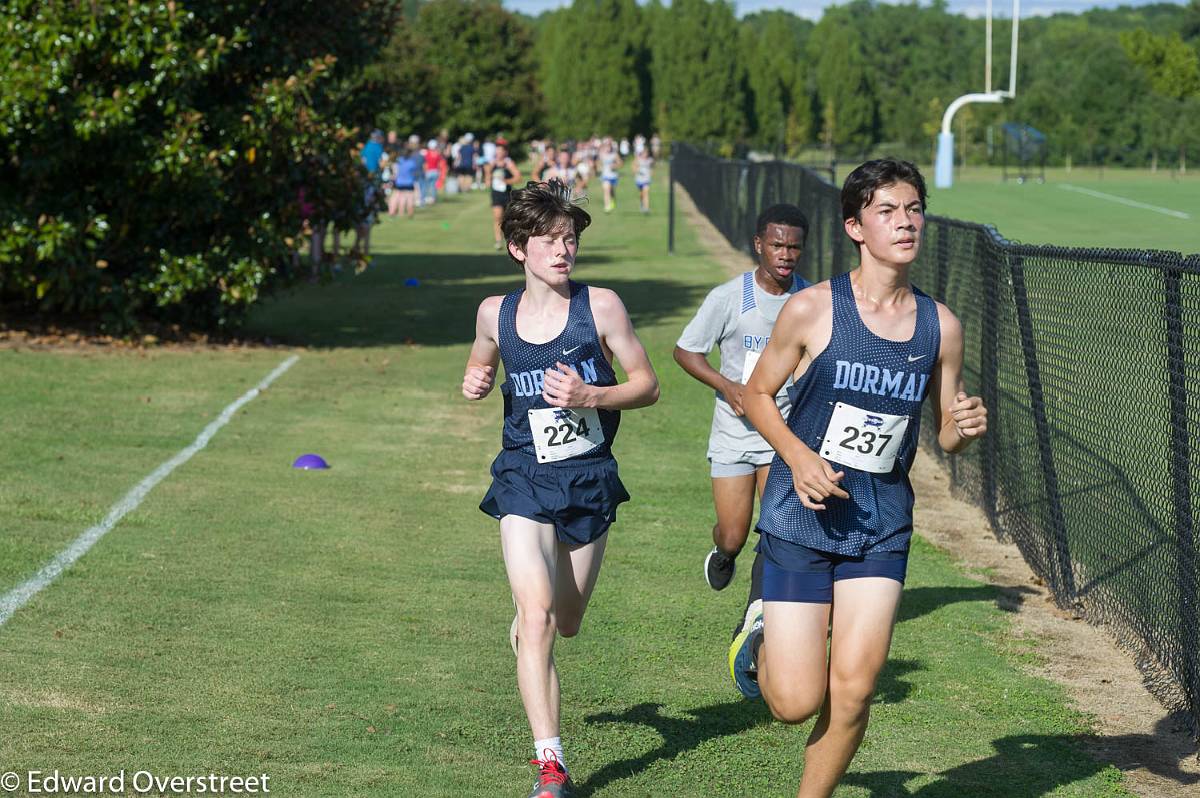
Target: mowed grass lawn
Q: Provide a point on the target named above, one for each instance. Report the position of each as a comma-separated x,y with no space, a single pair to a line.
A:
345,631
1058,212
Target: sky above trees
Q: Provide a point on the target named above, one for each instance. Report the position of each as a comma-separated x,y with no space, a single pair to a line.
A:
812,9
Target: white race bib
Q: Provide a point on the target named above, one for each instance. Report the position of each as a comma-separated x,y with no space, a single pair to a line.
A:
562,432
863,440
498,178
748,366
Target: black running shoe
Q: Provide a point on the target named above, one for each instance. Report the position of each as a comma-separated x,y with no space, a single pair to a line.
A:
719,569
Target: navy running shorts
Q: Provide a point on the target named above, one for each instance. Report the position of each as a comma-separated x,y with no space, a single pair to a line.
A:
793,572
580,500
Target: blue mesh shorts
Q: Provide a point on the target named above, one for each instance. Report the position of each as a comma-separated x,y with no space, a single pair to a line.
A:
579,499
793,572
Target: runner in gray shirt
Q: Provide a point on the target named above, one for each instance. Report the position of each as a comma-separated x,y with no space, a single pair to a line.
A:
738,316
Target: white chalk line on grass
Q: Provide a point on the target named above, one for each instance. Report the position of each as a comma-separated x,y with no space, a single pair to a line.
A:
1123,201
16,598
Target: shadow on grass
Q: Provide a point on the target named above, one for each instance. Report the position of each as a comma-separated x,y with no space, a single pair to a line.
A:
919,601
1025,766
430,300
678,734
891,687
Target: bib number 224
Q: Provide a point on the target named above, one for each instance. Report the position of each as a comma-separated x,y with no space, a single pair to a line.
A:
563,432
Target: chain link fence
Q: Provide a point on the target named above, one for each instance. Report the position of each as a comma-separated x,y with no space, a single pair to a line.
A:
1089,362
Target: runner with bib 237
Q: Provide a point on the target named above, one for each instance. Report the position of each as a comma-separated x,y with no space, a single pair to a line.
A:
865,349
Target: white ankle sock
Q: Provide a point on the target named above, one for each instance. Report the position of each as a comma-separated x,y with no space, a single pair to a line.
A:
553,744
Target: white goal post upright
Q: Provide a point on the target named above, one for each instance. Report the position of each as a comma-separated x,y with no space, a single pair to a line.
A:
943,171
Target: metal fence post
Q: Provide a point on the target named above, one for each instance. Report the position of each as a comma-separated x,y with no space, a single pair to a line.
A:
838,240
941,232
989,375
943,260
1181,488
671,203
1058,552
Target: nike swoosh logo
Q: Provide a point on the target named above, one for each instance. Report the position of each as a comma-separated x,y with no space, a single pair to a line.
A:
572,349
912,359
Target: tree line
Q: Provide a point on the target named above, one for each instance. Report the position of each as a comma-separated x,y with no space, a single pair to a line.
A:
1118,86
160,158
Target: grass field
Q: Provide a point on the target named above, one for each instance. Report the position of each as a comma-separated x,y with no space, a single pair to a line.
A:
345,631
1067,211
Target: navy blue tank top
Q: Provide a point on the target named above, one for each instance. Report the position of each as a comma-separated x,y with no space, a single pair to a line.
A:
499,176
875,375
525,364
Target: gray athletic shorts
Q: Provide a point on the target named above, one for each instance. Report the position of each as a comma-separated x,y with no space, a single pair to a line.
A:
738,464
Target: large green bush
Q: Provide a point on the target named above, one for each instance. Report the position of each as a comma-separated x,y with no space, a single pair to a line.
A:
151,153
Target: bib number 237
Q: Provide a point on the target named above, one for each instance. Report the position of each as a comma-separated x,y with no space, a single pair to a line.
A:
863,440
562,432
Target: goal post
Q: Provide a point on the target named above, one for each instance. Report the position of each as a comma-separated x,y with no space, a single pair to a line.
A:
943,168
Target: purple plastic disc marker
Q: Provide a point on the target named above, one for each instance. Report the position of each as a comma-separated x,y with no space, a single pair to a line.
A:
310,461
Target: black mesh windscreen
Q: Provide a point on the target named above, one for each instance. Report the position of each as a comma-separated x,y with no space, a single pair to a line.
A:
1089,363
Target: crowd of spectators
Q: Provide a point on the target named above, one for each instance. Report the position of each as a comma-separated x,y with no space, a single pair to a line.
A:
405,175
